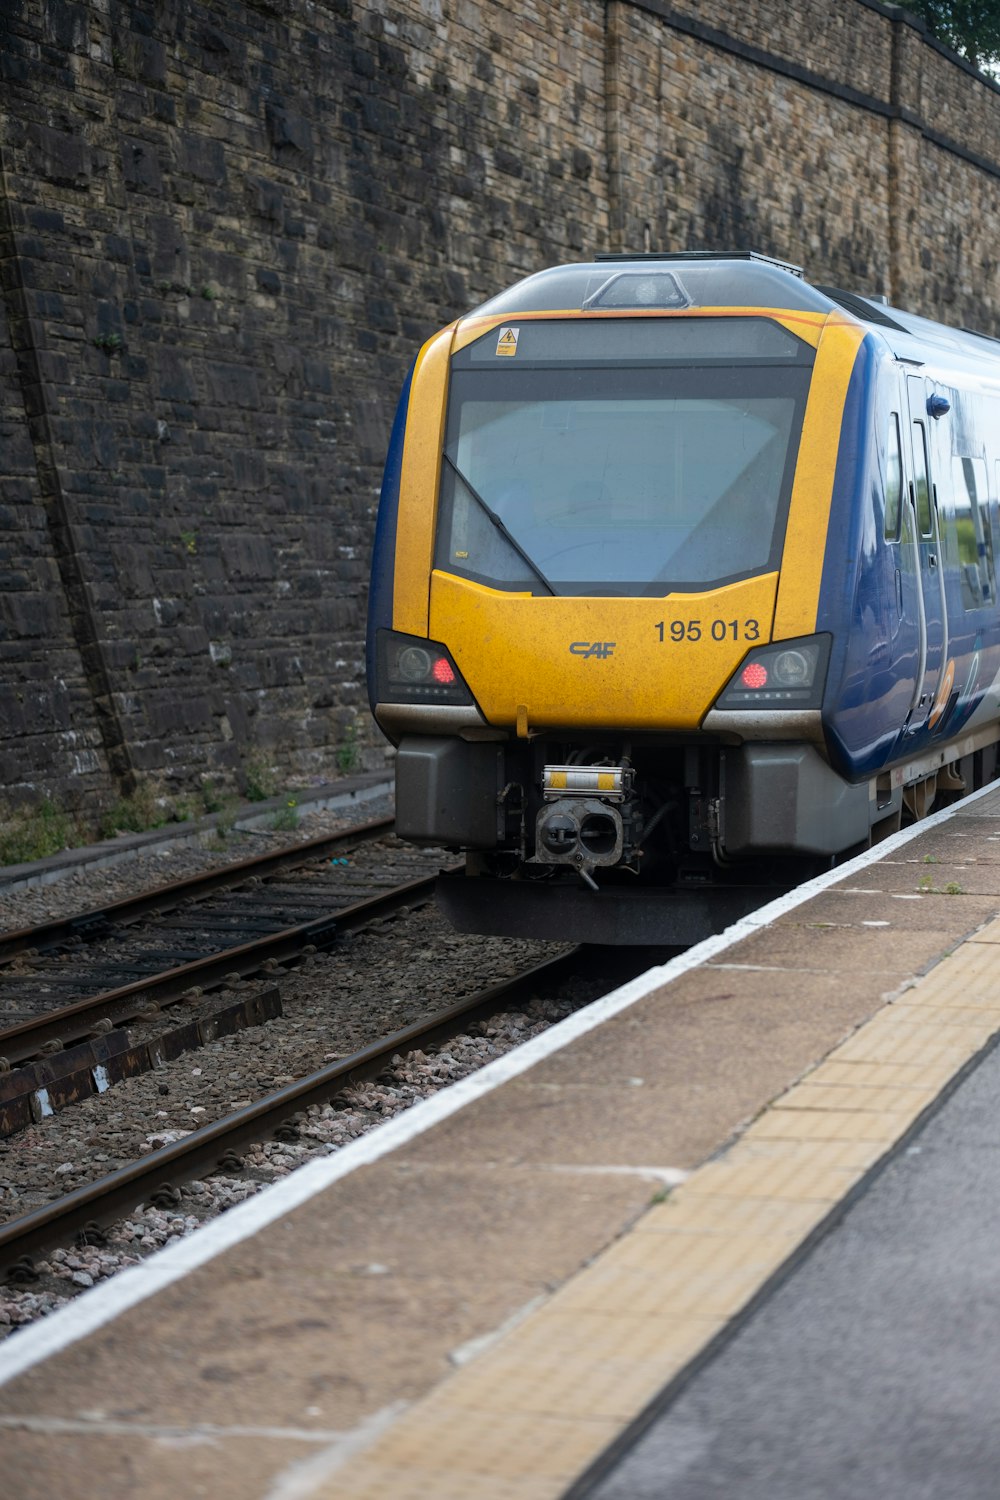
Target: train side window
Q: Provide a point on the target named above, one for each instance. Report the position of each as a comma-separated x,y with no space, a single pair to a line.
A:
972,547
893,480
988,558
984,536
921,477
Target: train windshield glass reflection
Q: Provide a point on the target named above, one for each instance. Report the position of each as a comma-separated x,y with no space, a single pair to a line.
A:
619,481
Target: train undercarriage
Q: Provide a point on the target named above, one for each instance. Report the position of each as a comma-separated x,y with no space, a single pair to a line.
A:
648,840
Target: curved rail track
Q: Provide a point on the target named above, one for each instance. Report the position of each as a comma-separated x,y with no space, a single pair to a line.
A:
176,942
89,925
337,884
156,1177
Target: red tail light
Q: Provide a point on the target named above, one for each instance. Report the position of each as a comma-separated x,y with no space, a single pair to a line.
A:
780,675
412,669
754,675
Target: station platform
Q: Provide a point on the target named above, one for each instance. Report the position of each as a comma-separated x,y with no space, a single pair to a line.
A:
506,1292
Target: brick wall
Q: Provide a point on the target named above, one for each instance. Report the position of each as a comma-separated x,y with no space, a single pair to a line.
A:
226,227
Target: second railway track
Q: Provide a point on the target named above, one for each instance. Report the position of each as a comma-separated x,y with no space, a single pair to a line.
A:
159,1174
175,1179
63,979
376,1000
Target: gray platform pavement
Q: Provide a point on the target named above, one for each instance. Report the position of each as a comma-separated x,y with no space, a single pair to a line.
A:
875,1369
481,1300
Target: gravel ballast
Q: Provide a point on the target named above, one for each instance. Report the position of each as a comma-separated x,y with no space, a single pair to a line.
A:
392,974
324,1129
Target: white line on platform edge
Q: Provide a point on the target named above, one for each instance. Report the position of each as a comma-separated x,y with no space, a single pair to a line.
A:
105,1302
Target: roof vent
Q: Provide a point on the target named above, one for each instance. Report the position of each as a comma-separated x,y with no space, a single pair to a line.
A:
650,288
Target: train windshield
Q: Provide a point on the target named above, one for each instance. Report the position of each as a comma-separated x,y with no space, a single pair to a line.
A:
617,479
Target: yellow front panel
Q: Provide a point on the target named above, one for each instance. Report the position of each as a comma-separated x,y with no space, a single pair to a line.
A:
809,511
575,662
564,662
419,479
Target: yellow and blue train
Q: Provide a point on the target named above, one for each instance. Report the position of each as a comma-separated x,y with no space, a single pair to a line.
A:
684,583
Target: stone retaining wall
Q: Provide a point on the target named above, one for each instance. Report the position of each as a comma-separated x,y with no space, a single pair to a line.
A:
225,228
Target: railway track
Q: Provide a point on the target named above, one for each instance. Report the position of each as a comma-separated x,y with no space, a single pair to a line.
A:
182,940
165,898
58,1054
158,1176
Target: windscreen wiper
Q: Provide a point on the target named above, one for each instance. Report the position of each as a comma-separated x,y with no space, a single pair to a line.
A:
510,539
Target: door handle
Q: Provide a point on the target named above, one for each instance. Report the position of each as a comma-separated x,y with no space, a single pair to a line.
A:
932,559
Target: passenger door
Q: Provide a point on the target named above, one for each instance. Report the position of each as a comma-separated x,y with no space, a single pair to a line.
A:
923,517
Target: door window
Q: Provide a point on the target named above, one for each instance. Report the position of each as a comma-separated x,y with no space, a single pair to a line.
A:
893,481
921,480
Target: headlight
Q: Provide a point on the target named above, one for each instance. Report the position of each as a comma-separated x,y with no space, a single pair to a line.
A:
795,669
786,674
410,670
413,664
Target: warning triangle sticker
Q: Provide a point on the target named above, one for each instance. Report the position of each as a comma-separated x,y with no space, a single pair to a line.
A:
507,342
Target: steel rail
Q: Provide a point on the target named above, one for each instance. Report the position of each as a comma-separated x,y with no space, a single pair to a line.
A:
76,1022
205,1150
165,897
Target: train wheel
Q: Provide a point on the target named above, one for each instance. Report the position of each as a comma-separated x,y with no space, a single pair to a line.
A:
918,799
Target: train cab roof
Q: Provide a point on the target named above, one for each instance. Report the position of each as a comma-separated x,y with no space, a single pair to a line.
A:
697,279
667,283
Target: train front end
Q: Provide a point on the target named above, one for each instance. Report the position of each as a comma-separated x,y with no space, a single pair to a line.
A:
595,588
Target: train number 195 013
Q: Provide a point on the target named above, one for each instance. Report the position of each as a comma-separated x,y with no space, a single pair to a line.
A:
719,630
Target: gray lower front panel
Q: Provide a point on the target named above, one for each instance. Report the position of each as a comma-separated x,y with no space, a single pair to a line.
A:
786,798
566,912
446,791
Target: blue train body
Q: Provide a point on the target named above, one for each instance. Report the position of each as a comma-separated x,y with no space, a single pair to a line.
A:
879,586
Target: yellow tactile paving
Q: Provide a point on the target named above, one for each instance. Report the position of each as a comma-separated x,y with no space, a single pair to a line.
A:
835,1073
692,1257
375,1481
827,1125
701,1214
867,1097
990,933
594,1385
926,1022
964,992
605,1333
712,1295
823,1170
942,1020
527,1417
613,1335
966,978
920,1046
482,1442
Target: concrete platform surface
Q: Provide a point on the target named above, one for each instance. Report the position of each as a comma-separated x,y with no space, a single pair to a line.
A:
875,1369
484,1310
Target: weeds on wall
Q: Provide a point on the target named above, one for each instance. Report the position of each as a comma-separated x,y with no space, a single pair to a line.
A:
286,819
260,779
213,796
28,834
134,814
347,756
35,833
